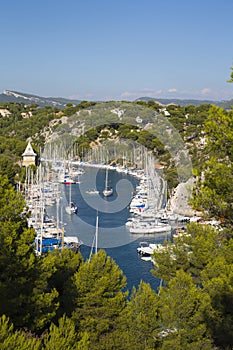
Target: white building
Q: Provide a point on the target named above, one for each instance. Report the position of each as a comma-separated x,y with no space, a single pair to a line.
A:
29,156
4,112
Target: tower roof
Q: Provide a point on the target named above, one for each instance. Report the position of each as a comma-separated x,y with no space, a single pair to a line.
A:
29,150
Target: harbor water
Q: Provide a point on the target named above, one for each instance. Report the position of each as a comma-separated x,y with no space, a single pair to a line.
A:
113,212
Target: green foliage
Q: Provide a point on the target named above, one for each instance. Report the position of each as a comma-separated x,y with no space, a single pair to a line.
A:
151,104
217,280
25,293
19,340
183,307
231,78
219,132
92,134
204,248
191,253
100,299
64,336
11,203
9,168
205,256
195,304
139,321
213,192
66,264
86,104
23,123
216,191
171,177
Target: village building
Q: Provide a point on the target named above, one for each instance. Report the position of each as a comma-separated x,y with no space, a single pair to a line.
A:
4,112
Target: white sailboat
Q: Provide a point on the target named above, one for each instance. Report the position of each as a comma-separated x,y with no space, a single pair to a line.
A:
108,191
95,240
72,207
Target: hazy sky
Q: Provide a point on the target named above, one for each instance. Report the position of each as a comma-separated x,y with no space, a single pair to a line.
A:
108,49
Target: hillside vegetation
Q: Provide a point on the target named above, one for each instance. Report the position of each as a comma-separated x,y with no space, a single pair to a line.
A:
61,301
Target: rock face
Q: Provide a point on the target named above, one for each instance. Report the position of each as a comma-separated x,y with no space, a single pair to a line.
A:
179,202
17,97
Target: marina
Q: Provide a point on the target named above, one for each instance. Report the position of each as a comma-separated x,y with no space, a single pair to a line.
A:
113,232
132,213
133,221
131,204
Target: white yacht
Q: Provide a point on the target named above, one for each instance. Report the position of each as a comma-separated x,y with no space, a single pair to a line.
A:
146,250
149,227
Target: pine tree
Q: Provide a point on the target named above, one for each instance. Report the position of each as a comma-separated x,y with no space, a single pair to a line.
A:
65,337
139,322
19,340
100,300
183,308
26,296
214,191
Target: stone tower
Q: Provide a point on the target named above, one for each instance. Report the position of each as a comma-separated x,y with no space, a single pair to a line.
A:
29,156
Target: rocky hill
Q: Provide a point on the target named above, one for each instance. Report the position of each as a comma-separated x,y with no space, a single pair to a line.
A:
60,102
17,97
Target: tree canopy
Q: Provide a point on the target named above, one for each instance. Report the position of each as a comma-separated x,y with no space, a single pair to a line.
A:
61,301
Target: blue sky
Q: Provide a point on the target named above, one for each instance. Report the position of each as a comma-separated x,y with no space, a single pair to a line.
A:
101,50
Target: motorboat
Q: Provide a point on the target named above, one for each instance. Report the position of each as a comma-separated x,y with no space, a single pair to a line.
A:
67,180
149,227
92,192
146,250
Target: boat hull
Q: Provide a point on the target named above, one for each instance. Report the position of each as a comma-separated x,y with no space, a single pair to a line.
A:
150,229
72,209
108,192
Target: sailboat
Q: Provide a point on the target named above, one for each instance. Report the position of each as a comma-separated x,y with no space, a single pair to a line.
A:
108,191
72,207
95,240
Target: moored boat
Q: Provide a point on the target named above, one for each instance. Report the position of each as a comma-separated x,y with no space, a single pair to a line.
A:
149,227
46,245
72,208
108,191
67,180
92,192
146,250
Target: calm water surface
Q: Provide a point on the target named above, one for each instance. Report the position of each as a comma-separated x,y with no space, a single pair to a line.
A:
113,236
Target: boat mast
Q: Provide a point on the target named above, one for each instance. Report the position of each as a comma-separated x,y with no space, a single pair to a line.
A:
95,240
106,179
96,232
70,195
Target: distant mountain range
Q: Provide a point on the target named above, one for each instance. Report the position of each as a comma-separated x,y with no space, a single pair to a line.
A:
186,102
59,102
14,96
